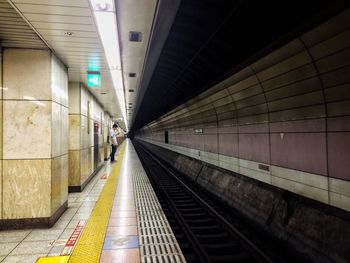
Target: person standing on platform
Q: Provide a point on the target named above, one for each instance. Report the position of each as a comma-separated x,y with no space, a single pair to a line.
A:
113,141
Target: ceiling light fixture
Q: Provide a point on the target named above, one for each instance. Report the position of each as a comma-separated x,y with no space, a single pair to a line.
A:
105,16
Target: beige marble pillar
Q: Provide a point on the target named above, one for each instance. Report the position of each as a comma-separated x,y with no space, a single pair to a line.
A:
85,116
35,132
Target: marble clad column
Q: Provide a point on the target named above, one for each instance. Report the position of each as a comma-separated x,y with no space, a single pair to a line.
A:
84,111
35,132
74,135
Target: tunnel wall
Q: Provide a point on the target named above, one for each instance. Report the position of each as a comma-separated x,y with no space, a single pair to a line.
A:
283,120
318,232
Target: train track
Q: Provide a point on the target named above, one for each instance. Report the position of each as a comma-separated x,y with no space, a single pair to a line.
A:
203,234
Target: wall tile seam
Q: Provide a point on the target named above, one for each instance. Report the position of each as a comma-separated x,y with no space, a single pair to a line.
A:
248,168
275,112
170,146
338,100
276,99
323,73
309,185
40,100
57,156
184,107
325,39
28,159
318,59
326,114
282,108
86,148
283,73
89,118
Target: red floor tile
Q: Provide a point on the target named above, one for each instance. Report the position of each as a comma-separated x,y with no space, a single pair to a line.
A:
120,256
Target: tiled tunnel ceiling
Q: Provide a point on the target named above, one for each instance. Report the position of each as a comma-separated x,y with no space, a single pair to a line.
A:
213,39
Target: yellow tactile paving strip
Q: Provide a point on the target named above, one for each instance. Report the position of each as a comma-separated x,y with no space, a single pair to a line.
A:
89,246
59,259
90,243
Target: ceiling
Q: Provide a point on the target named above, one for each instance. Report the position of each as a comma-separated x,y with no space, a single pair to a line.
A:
134,16
211,39
14,32
68,28
187,46
81,51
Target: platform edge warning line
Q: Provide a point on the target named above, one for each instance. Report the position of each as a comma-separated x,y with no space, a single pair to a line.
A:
89,246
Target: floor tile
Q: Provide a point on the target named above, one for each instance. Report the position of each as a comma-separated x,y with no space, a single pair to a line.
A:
117,208
27,248
120,242
73,223
60,224
121,230
88,204
81,216
122,221
123,214
85,209
120,256
66,233
41,235
56,250
23,258
13,235
6,248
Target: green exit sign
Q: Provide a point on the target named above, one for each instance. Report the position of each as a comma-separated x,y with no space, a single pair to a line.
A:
94,79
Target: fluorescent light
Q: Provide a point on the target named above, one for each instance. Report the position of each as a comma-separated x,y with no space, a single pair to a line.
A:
105,16
108,32
119,88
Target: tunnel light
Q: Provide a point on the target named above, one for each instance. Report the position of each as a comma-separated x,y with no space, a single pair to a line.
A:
105,16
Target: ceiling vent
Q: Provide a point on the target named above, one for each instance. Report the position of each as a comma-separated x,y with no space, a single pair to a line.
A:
135,36
132,75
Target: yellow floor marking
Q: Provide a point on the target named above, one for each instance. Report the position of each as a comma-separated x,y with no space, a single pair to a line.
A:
60,259
89,246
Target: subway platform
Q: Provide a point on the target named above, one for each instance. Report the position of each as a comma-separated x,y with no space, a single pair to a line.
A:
117,218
